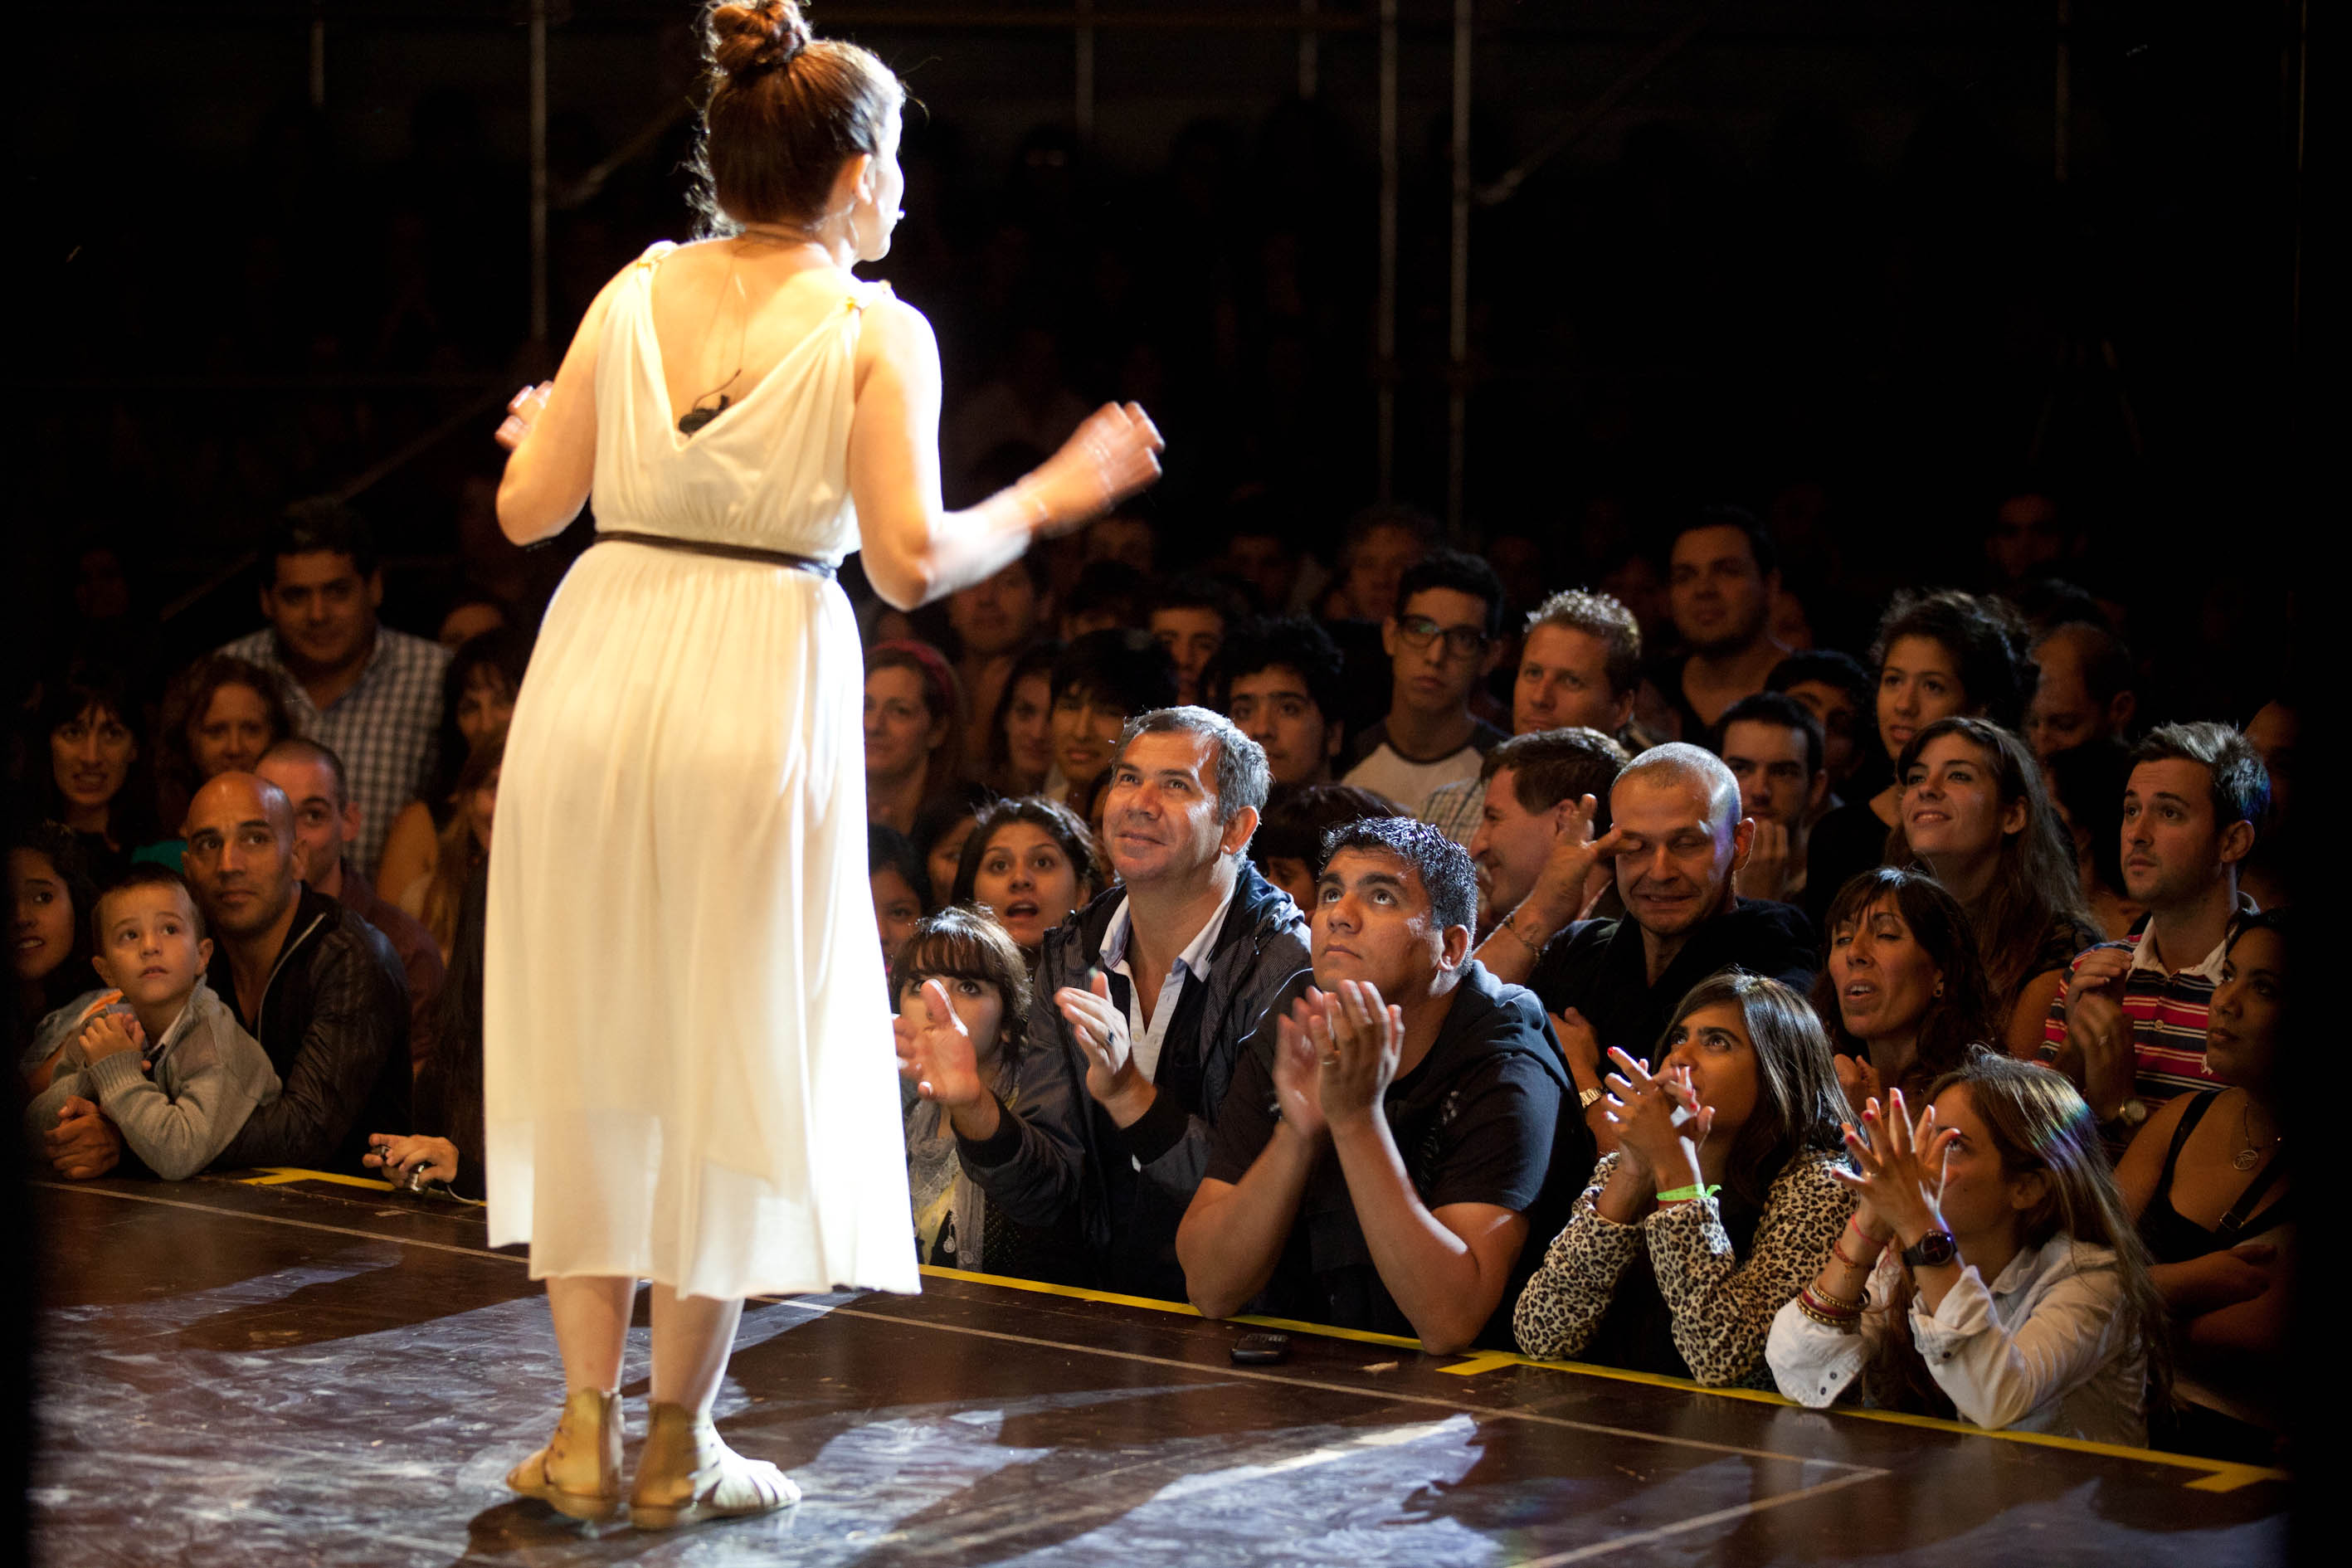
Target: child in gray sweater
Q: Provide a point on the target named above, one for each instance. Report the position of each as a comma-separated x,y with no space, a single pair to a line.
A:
160,1054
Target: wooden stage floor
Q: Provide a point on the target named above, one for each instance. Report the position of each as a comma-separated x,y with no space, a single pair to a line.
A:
291,1371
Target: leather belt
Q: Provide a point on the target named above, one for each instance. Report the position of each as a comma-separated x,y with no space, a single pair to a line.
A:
709,547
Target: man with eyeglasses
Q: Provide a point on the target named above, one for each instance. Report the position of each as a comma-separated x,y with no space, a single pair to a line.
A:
1443,638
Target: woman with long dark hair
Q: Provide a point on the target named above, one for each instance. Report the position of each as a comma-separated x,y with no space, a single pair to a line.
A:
1936,653
1975,813
1901,988
1695,1230
1990,1271
95,781
679,1075
1029,863
478,696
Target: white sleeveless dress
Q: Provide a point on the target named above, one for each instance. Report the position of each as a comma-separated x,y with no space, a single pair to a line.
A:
688,1066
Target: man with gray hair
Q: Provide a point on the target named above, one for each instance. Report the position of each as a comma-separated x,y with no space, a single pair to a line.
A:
1676,837
1143,999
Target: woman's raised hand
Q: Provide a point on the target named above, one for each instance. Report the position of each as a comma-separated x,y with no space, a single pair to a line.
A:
936,1050
1900,1175
1110,457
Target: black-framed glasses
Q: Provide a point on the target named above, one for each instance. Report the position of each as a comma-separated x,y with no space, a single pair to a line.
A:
1460,642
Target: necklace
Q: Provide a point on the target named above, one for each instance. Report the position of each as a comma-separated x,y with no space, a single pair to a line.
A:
2247,1157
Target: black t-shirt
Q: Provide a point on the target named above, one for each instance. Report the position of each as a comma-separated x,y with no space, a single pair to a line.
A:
1842,844
1598,968
1478,1121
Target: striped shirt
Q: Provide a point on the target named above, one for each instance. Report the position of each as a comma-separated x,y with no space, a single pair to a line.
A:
383,729
2167,1010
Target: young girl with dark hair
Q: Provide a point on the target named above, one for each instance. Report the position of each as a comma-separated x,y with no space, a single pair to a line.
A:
1020,756
1936,653
1901,988
962,993
50,896
1029,863
1975,813
478,696
1720,1202
1991,1270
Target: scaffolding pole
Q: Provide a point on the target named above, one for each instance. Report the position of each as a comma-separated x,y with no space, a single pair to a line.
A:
539,171
1310,60
1384,309
1457,314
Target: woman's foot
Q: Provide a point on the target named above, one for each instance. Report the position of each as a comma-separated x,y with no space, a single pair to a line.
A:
685,1474
579,1472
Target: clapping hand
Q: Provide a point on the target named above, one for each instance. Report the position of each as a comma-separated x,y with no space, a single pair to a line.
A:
1859,1078
1110,457
1362,1040
1900,1179
1099,1026
936,1051
2098,1031
1298,1067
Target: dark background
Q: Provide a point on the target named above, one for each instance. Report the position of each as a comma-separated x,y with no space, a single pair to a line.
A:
1819,260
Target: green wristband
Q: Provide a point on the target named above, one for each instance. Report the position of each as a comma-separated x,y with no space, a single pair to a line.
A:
1680,1194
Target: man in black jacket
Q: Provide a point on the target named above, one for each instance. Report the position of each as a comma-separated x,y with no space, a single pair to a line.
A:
1391,1156
1143,999
1676,836
316,985
320,987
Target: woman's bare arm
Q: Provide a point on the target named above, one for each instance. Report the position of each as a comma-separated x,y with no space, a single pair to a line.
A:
550,437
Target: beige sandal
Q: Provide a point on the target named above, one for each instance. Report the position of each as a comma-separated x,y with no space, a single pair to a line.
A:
687,1473
578,1474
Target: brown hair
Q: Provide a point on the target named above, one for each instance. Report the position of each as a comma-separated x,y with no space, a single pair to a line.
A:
1962,1013
786,110
965,943
943,702
2037,1121
185,702
1064,827
1798,1105
460,853
2037,890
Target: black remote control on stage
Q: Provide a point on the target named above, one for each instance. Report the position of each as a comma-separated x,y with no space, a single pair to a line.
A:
1261,1350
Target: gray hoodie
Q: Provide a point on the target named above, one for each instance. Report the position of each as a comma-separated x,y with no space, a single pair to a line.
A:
207,1075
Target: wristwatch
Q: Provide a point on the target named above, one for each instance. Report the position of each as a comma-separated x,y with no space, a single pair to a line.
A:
2132,1111
1934,1248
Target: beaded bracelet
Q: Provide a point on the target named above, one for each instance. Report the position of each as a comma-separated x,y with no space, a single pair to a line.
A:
1842,1323
1838,1305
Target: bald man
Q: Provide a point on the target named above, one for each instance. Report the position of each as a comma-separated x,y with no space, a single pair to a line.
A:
320,987
1676,837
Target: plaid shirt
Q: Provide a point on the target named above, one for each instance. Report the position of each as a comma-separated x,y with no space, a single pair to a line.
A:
384,728
1454,809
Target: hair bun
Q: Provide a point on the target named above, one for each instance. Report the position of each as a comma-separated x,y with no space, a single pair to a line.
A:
753,38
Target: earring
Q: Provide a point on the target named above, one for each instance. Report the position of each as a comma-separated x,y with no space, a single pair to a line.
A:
1940,988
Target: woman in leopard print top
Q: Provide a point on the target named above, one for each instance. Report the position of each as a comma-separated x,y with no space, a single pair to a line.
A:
1688,1286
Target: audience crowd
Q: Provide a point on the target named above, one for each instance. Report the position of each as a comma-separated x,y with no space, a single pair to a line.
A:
1391,941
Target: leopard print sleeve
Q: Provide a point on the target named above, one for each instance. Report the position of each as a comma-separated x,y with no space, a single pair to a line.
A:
1723,1309
1563,1303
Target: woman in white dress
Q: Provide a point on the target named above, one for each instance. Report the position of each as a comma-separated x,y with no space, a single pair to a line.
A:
688,1070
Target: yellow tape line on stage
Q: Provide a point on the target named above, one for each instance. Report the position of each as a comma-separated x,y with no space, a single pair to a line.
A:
278,1175
2221,1475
